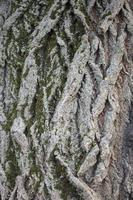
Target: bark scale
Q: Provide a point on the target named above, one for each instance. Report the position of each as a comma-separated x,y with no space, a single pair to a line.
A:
66,99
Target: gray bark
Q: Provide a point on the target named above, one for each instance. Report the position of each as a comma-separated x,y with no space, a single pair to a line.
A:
66,111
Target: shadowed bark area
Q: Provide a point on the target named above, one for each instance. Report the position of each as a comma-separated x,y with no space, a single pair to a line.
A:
66,83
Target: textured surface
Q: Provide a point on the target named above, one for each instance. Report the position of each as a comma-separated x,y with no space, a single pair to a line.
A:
66,110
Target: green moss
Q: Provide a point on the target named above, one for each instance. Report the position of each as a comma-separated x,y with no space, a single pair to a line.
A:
32,20
15,57
13,169
32,158
106,14
16,80
39,108
38,58
49,4
62,182
50,79
10,116
77,29
79,158
15,5
35,169
63,35
53,14
51,42
94,143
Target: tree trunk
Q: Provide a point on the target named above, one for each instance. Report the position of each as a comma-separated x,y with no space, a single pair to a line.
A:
66,112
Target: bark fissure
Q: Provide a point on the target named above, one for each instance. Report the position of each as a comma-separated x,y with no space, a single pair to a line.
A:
65,95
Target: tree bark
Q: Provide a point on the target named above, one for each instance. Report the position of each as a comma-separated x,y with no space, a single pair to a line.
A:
66,112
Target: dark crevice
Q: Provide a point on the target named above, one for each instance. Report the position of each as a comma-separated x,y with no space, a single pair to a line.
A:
61,176
127,159
95,87
4,84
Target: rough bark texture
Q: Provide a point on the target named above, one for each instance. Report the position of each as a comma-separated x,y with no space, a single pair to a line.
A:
66,112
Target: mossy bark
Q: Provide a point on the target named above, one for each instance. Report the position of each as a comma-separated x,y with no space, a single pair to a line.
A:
66,84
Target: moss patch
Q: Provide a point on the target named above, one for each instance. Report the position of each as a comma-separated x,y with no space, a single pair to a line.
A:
62,182
13,169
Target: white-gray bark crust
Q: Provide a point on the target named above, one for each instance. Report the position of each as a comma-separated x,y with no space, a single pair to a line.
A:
66,111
